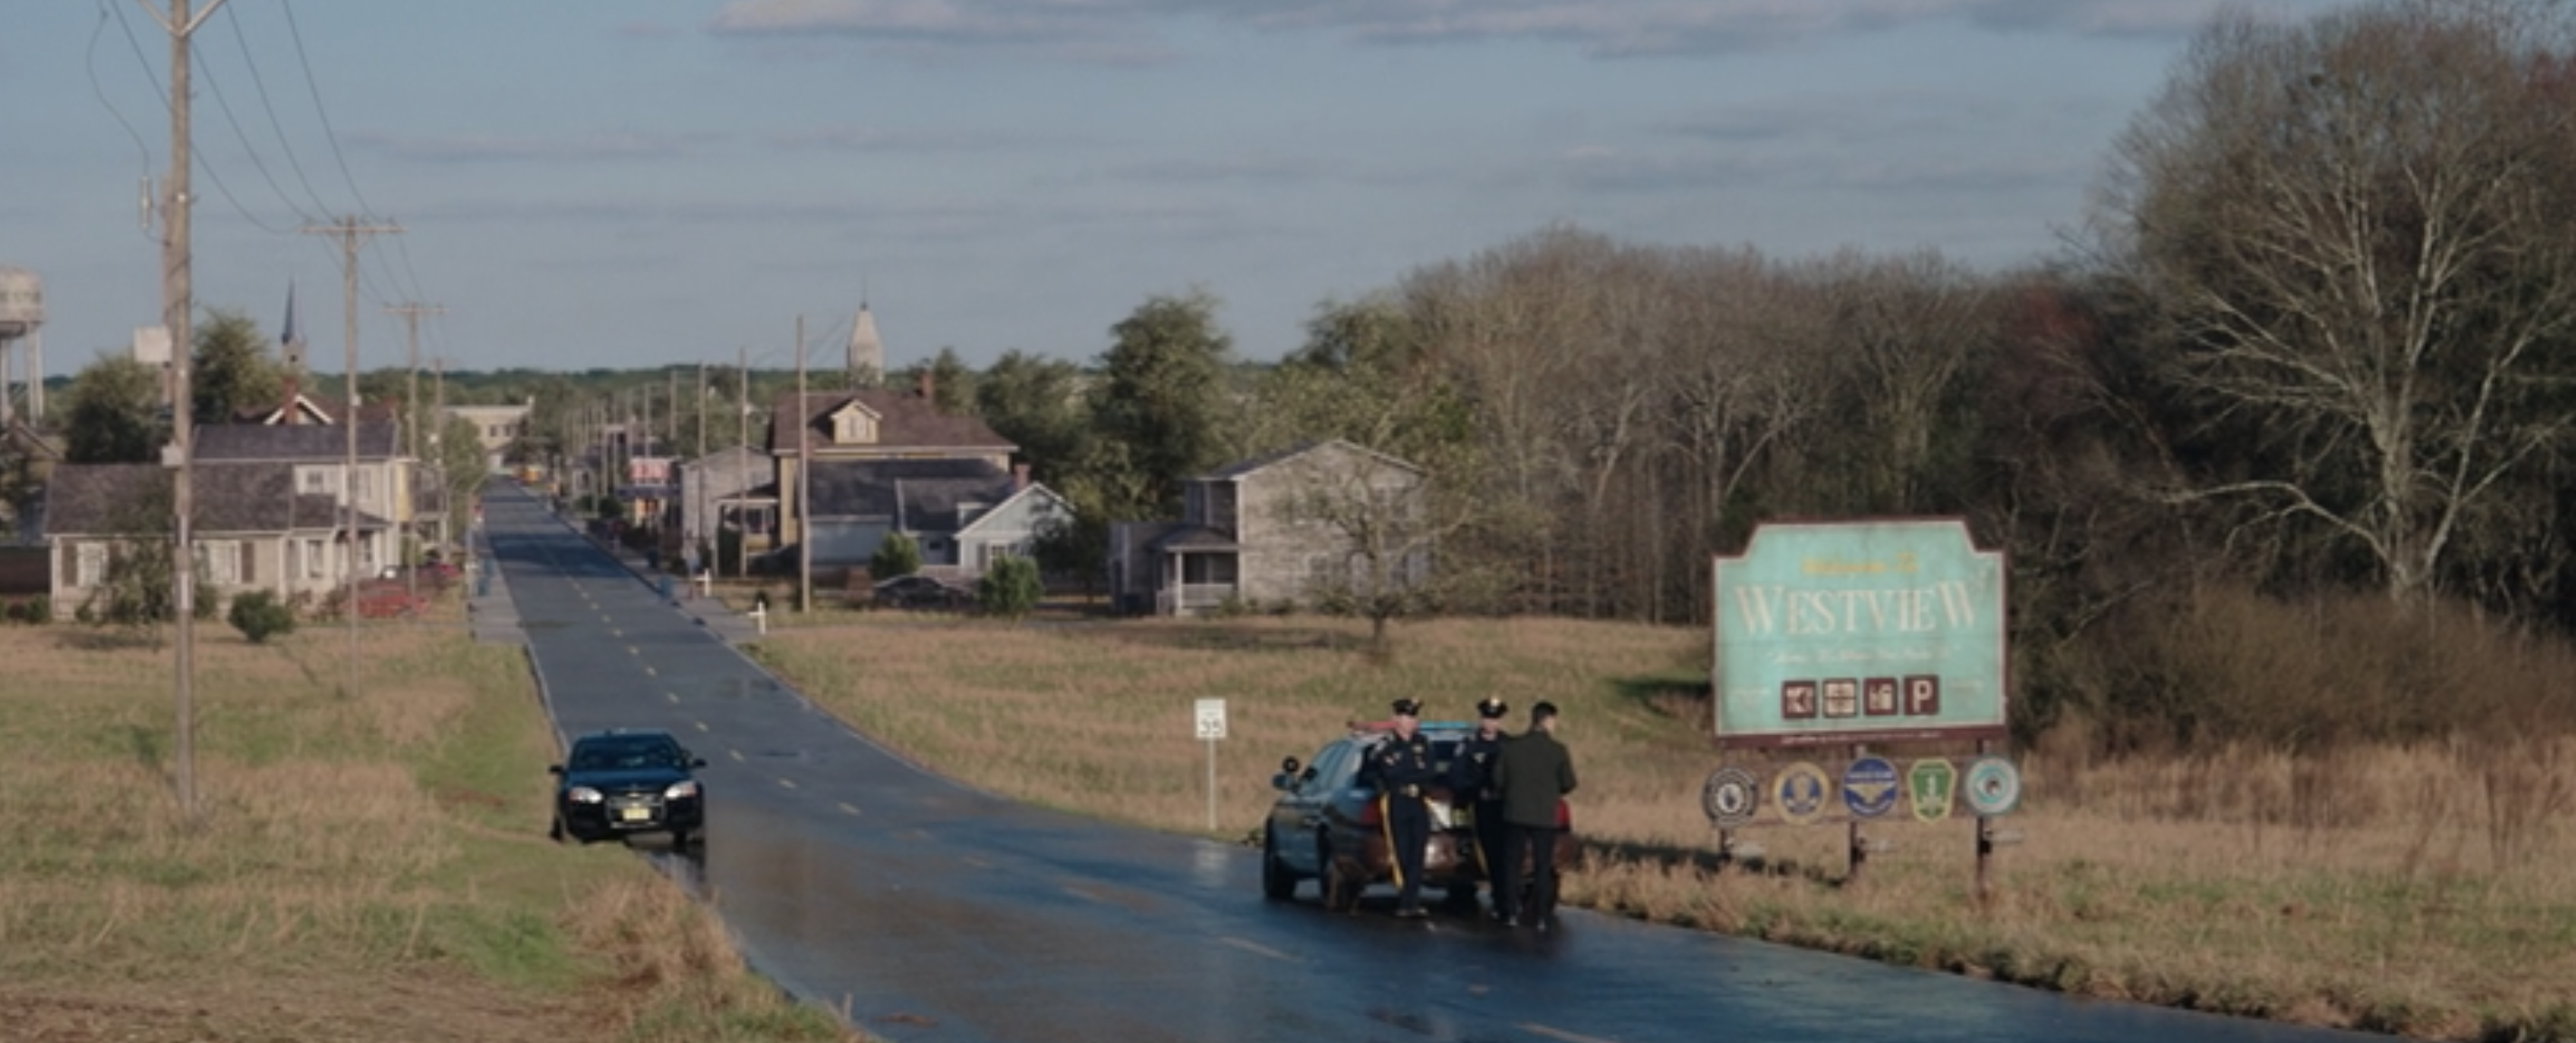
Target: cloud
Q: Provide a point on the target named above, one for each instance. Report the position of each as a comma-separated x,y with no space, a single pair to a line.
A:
862,139
1126,30
485,149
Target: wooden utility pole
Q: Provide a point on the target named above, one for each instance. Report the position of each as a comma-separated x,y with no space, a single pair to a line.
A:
411,314
804,483
350,233
178,300
742,435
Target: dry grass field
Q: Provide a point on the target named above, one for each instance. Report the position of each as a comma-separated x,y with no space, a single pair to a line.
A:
2413,891
368,867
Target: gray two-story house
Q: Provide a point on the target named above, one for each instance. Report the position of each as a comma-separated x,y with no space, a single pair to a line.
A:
1277,529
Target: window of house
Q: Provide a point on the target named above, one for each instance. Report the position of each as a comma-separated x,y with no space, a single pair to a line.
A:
853,428
91,569
223,562
316,557
322,481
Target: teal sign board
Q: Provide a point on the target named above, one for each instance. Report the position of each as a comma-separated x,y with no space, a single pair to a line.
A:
1864,631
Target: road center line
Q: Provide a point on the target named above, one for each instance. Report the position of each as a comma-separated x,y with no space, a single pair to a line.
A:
789,783
1258,949
1535,1028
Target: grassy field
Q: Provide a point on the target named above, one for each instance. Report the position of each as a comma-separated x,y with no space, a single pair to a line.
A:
2412,891
368,867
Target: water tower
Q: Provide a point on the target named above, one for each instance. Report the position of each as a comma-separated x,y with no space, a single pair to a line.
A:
22,310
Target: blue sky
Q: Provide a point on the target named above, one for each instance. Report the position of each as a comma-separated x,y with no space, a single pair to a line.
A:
646,182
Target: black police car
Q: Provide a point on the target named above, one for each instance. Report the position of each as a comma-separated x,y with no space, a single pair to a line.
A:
622,782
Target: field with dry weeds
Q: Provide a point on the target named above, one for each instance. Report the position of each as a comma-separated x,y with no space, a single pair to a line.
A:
367,867
2414,891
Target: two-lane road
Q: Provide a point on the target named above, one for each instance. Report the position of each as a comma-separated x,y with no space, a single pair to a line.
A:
930,911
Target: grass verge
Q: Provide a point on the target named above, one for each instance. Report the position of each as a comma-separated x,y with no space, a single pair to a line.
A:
367,867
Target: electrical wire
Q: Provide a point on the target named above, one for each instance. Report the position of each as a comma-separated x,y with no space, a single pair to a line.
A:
99,91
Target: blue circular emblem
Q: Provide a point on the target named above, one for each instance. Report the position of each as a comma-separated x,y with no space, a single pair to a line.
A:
1870,787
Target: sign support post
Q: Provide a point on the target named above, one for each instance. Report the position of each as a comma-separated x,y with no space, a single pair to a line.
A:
1211,729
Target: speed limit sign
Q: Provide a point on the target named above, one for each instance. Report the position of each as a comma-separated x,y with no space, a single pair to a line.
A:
1211,719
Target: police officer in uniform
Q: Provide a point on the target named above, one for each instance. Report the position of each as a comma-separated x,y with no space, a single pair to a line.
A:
1471,783
1403,770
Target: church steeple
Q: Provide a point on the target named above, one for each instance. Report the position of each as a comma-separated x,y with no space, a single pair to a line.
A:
867,353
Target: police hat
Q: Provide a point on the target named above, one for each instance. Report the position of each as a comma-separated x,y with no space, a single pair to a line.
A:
1491,707
1407,708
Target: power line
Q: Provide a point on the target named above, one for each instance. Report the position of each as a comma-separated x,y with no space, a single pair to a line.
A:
260,84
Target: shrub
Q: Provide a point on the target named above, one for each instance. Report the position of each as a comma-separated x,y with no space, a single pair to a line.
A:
1009,588
258,614
897,556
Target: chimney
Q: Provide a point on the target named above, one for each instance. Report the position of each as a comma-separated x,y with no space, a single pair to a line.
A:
1019,476
925,386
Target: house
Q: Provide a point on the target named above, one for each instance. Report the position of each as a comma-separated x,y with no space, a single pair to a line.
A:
384,484
253,531
495,427
720,492
962,513
1276,529
870,425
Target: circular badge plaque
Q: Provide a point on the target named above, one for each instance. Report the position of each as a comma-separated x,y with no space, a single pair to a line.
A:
1730,797
1870,787
1800,791
1993,786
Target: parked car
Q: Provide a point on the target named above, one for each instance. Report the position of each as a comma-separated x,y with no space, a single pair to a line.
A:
1326,826
918,591
622,782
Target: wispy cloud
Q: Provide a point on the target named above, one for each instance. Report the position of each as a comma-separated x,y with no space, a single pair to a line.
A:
870,139
1631,28
485,149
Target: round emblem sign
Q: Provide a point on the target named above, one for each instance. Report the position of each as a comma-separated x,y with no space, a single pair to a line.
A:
1800,792
1730,797
1993,786
1870,787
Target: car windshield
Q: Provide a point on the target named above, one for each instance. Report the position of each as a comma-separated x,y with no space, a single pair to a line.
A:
614,754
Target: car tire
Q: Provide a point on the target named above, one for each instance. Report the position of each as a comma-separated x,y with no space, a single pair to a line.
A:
680,840
1278,882
555,831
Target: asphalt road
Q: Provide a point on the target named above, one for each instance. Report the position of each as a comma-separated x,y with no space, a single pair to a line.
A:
924,910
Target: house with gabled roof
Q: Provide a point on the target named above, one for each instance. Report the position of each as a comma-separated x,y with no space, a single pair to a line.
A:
384,482
253,531
962,513
1275,529
834,430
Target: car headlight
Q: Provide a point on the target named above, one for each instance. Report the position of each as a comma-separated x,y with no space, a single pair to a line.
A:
582,795
681,790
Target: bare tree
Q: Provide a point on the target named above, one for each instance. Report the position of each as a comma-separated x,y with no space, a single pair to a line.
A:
2359,231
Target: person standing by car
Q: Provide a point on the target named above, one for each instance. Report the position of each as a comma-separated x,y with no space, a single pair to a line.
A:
1534,772
1402,768
1471,784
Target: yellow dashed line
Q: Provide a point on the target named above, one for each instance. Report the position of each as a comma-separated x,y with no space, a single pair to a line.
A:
737,754
848,810
789,783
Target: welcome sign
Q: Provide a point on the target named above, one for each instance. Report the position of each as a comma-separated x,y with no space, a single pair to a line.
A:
1853,632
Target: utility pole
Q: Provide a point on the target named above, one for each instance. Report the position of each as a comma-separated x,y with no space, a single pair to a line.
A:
698,508
411,314
350,233
177,301
742,437
804,483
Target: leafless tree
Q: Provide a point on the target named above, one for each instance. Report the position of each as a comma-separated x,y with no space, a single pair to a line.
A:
2359,231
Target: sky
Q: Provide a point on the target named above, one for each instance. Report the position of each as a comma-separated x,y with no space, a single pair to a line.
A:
656,182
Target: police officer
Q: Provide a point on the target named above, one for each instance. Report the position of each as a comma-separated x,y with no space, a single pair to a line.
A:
1471,783
1403,770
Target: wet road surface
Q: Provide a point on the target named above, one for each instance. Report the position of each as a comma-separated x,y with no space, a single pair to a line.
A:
924,910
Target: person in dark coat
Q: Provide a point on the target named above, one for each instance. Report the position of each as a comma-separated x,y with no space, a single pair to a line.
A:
1534,772
1471,782
1402,768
